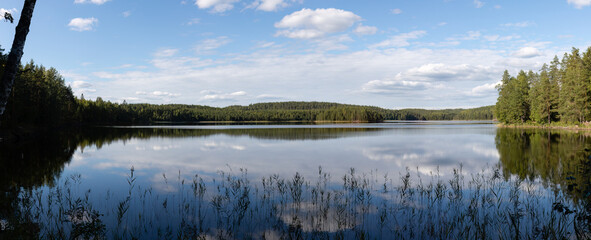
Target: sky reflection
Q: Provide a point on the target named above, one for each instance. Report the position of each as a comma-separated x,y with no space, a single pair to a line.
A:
389,150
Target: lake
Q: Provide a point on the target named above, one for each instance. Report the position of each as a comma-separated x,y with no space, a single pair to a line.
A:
401,179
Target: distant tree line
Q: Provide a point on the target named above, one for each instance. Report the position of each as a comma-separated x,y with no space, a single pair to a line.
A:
41,98
559,93
481,113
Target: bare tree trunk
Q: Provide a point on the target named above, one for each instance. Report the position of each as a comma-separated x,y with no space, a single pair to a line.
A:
16,52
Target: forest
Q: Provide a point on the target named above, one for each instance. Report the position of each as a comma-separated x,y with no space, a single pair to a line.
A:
559,94
40,97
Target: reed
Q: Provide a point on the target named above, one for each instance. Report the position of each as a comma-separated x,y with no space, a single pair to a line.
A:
483,205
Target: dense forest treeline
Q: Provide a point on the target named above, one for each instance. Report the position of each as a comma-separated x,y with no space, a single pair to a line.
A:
560,93
41,98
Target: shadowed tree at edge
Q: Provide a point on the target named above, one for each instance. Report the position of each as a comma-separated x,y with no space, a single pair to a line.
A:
16,52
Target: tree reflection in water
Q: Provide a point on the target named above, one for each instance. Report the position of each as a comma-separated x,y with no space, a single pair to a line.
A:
540,190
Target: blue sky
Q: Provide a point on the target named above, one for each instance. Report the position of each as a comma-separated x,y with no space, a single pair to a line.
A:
392,54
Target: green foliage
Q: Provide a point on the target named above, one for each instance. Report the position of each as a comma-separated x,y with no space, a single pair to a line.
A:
481,113
39,97
560,92
513,103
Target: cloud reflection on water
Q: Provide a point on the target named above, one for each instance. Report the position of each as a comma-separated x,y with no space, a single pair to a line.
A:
388,150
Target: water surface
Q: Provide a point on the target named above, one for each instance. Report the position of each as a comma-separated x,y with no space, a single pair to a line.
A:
109,168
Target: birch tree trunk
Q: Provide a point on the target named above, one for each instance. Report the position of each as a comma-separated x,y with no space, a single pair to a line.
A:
16,52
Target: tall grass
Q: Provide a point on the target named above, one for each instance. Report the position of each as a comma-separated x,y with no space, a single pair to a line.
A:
483,205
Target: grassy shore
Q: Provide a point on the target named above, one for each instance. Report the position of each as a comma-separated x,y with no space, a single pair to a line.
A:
581,126
484,205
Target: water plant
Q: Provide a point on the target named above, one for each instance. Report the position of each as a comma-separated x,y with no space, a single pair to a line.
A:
483,205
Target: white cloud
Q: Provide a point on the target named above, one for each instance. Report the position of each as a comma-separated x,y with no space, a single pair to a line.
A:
445,72
11,11
579,3
68,75
126,13
470,35
394,86
396,11
215,95
217,6
97,2
519,24
429,76
440,77
268,5
484,89
82,24
269,97
527,52
478,4
333,43
158,94
208,45
441,24
496,38
365,30
168,52
400,40
81,84
310,24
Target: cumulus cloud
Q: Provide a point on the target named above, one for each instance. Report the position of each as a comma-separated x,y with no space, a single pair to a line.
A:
527,52
216,95
365,30
81,84
310,24
268,5
82,24
579,3
396,11
394,86
97,2
443,71
446,72
439,77
429,76
400,40
484,89
217,6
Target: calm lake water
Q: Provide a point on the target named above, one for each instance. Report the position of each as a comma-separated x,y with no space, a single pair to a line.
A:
126,178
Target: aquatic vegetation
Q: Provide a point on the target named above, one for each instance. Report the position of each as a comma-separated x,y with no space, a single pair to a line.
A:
484,205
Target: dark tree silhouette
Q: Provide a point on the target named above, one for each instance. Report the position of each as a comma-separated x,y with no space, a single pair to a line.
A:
16,52
8,17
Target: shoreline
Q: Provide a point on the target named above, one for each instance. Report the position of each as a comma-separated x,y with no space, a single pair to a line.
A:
527,126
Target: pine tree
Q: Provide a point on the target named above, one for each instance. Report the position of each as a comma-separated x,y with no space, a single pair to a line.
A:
573,93
543,97
502,106
521,97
